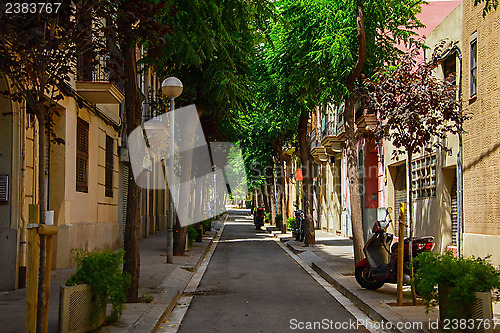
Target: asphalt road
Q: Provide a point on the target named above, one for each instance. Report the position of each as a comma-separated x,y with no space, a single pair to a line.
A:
252,285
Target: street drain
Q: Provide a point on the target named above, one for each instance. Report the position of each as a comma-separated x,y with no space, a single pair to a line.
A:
205,293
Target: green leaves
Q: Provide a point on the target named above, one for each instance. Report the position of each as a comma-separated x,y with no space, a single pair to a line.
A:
103,271
415,108
466,275
489,5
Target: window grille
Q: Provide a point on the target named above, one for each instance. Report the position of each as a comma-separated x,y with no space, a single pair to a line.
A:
423,175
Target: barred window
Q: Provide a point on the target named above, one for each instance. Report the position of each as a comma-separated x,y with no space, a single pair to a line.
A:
473,67
423,176
82,155
109,166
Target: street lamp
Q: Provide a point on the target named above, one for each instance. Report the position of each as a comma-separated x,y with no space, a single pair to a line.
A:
172,88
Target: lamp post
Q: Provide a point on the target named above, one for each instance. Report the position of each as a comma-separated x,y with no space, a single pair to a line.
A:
172,88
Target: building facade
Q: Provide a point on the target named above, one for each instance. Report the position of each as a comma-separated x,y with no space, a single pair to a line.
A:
481,140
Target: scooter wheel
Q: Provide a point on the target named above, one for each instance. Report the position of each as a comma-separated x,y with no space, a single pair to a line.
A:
302,235
364,277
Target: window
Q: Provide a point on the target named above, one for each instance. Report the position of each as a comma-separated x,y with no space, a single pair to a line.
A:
109,166
450,69
473,66
82,155
423,177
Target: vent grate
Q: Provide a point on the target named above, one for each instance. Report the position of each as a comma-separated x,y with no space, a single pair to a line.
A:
75,309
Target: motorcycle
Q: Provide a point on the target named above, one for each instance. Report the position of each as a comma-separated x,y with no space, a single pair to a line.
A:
299,230
380,265
258,218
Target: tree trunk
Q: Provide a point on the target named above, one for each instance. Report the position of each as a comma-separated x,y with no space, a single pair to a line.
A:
351,150
304,146
410,217
289,192
353,176
265,197
179,238
280,185
42,168
186,161
269,173
133,113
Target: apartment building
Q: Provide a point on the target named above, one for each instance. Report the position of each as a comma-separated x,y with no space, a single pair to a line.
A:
481,140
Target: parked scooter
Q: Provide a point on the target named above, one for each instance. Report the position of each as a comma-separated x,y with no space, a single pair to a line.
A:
259,217
299,230
380,265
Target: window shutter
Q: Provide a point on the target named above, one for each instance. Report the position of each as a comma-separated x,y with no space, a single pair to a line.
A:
109,166
82,155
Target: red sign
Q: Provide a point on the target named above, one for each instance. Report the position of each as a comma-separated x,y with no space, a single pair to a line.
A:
299,174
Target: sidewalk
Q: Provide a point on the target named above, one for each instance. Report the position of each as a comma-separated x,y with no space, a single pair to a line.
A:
332,257
159,281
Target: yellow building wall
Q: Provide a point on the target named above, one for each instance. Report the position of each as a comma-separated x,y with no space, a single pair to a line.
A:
85,220
482,137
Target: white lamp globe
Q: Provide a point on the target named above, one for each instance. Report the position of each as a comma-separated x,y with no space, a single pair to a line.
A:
171,87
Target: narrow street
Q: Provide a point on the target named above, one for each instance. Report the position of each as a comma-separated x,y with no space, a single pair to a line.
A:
252,285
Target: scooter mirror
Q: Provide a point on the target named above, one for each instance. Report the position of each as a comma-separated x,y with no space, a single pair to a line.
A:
389,210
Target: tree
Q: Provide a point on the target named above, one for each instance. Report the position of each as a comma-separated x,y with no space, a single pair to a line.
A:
416,109
130,24
38,53
214,41
324,47
489,5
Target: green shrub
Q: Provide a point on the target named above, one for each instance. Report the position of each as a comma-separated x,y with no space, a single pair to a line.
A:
102,270
466,275
192,234
268,218
290,223
207,225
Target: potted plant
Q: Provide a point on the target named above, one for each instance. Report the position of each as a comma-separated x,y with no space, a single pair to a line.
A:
460,286
98,281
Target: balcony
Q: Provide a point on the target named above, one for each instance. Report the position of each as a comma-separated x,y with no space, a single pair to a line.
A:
318,152
93,81
366,123
331,141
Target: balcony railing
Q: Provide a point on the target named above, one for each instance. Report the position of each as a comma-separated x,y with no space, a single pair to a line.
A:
330,129
94,82
313,137
93,69
154,105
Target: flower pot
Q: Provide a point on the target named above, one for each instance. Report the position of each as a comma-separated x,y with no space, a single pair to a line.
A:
76,309
477,317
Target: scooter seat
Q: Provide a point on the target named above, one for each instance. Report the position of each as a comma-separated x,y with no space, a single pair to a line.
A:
423,239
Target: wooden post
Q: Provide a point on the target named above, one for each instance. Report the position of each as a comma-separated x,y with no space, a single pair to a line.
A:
48,231
33,263
401,251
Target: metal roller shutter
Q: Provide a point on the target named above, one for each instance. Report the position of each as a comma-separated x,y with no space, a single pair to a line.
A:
125,196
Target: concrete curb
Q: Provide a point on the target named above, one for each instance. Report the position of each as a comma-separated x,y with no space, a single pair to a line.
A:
372,307
163,305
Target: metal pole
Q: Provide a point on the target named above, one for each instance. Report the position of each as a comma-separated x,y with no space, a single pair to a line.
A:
171,215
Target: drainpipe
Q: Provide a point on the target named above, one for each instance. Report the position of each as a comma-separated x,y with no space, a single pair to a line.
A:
460,179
